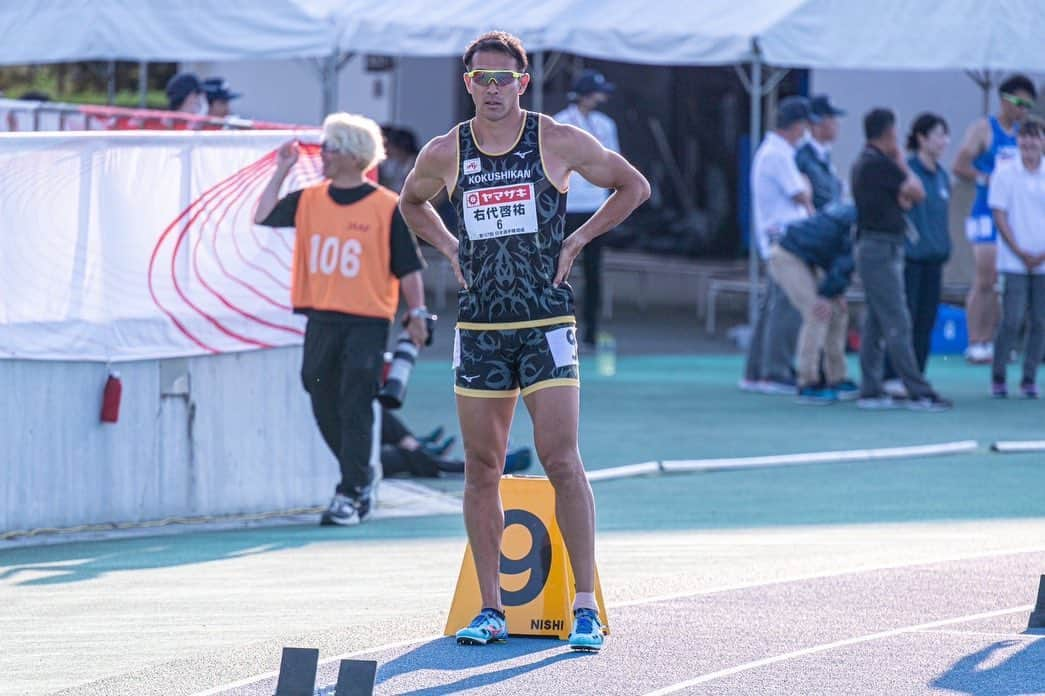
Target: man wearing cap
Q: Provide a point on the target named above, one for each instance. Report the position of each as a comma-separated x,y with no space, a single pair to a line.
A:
814,156
185,94
781,195
589,91
218,97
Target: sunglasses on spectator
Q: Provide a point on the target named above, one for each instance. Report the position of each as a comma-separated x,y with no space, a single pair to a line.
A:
1019,102
502,78
330,148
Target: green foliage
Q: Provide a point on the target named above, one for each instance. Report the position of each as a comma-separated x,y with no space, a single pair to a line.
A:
87,82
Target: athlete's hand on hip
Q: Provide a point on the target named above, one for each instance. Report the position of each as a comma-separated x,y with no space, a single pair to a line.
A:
287,155
450,252
571,247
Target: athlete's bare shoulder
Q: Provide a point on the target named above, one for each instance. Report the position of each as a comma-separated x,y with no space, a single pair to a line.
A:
568,143
558,135
439,156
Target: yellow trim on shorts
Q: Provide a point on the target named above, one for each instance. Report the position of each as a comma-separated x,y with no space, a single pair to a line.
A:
457,169
557,382
540,148
486,393
509,325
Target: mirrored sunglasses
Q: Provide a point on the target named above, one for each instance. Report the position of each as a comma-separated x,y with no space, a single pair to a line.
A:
330,148
1019,102
502,78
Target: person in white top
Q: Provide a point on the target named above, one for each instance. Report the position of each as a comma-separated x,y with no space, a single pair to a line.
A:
590,90
781,195
1017,201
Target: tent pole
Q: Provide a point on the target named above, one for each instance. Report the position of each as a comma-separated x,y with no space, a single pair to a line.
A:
329,73
538,82
143,83
110,82
755,90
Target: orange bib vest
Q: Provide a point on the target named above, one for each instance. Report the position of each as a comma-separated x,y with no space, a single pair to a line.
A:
343,254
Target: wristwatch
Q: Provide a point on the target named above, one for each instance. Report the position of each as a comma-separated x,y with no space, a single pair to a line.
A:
419,313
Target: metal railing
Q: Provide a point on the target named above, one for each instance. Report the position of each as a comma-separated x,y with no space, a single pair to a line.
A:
33,116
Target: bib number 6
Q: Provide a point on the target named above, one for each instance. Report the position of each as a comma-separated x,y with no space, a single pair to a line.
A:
329,255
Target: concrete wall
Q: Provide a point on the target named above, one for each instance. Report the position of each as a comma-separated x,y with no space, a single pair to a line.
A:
198,436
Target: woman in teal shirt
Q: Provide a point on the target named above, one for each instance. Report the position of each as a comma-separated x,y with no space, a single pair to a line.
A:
928,244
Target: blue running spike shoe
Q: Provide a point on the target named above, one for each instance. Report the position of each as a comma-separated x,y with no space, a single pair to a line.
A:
488,626
587,631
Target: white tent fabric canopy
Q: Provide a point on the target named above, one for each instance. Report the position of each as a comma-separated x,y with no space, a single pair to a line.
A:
884,34
51,31
869,34
652,32
908,35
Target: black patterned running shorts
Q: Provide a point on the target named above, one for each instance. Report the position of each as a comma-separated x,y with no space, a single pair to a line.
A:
497,360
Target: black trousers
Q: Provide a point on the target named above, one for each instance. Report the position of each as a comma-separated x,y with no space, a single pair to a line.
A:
393,430
923,283
591,259
340,371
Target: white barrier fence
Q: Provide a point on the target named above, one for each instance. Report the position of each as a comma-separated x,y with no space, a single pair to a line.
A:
135,245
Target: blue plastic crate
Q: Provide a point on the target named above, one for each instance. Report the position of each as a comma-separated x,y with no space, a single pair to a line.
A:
951,332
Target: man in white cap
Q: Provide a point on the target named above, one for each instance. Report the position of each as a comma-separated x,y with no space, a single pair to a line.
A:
589,91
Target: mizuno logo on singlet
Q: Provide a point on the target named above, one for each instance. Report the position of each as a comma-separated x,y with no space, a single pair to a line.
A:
523,154
491,177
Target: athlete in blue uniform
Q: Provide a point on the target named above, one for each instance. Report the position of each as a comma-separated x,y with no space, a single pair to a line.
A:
506,172
988,141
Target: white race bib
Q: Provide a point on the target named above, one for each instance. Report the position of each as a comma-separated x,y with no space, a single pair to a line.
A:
563,345
500,211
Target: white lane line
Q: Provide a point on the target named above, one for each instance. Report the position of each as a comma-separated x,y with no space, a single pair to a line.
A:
337,658
818,576
712,676
1030,637
626,471
652,600
1018,446
961,447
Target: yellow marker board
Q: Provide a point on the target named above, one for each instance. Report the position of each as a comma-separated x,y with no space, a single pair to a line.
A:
536,578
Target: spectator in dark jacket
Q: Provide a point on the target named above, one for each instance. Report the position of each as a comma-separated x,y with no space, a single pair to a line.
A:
928,243
814,155
812,264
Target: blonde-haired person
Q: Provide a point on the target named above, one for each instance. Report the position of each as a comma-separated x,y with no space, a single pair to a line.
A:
353,255
355,135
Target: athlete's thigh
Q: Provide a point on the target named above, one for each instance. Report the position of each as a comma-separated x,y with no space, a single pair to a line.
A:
485,424
555,412
985,258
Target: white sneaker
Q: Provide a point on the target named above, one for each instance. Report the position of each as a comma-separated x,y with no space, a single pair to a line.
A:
979,353
895,388
750,385
774,387
342,511
884,402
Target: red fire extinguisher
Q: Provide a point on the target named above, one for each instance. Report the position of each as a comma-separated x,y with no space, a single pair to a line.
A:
111,398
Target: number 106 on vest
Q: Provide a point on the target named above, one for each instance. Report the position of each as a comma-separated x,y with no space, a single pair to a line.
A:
331,253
